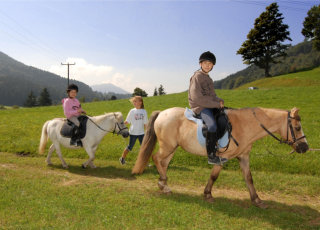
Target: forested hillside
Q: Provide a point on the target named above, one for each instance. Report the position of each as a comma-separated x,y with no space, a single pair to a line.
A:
18,80
299,57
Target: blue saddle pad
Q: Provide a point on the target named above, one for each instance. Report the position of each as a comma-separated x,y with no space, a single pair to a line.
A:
222,142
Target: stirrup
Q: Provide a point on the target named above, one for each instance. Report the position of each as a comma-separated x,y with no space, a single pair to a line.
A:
217,160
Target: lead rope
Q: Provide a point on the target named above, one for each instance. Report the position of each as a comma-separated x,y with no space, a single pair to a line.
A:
96,124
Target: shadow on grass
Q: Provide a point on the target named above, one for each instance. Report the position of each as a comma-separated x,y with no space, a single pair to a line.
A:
113,172
280,215
101,172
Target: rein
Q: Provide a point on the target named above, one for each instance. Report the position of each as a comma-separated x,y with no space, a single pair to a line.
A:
115,126
289,126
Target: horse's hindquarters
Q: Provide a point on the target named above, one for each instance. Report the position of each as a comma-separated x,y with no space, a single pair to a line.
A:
173,129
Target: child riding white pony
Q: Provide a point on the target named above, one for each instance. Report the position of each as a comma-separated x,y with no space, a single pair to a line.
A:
97,128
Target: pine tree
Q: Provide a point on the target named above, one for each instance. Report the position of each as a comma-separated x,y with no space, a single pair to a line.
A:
311,26
155,92
31,100
44,99
139,92
264,43
161,90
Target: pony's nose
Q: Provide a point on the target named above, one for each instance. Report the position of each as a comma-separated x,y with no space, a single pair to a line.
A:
125,134
302,147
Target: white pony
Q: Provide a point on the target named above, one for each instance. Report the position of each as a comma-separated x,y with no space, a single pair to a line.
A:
97,128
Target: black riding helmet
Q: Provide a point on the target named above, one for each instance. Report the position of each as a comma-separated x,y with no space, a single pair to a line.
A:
72,87
207,56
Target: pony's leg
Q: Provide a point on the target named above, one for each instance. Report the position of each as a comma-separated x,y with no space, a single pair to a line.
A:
162,159
91,153
213,177
58,151
244,164
51,149
92,165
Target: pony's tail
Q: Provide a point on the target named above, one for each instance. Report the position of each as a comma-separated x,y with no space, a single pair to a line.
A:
147,146
44,138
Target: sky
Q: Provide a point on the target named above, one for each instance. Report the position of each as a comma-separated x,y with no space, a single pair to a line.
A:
136,43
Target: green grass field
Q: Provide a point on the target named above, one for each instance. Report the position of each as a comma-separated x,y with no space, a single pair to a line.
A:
36,196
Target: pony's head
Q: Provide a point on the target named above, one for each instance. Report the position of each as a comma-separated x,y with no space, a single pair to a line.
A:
294,134
120,127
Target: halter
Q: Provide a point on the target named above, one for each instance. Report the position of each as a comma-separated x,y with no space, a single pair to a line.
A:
115,126
289,126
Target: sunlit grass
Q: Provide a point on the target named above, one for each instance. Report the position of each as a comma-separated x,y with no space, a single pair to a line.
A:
34,196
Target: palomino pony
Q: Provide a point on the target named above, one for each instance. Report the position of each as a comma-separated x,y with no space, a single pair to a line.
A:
97,128
172,129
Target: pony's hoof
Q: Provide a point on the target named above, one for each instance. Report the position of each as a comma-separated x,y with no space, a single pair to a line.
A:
93,166
49,163
161,185
260,204
166,190
65,166
208,198
83,166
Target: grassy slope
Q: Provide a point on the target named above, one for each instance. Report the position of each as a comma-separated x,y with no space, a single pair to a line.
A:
108,197
300,79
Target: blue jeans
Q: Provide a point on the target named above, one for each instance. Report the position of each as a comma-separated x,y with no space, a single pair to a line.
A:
208,118
133,139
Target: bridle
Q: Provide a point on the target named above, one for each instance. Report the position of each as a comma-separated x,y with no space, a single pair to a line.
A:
289,127
114,129
120,129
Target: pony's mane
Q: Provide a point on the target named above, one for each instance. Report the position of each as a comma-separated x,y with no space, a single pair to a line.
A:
258,110
101,117
254,108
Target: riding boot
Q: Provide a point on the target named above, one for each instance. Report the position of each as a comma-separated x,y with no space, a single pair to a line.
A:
78,139
75,140
211,144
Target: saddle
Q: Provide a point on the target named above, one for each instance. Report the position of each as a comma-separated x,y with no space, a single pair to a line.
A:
224,128
67,129
223,124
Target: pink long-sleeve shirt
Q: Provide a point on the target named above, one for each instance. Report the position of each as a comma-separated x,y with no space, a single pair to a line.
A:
70,107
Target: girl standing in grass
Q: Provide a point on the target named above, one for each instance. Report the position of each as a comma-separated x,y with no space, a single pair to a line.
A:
138,119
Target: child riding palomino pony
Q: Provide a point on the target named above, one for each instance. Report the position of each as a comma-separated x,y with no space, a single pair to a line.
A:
172,129
97,128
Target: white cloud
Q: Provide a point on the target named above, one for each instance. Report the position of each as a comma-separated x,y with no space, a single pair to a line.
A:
129,82
220,75
146,79
83,71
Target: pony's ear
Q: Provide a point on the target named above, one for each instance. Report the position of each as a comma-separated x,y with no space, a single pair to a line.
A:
118,114
294,112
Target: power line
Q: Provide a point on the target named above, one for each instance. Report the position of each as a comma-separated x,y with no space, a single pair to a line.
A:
26,35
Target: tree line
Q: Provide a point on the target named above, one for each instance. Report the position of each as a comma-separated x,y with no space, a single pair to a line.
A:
157,92
43,100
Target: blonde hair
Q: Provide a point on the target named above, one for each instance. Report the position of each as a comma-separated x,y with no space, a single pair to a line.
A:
137,98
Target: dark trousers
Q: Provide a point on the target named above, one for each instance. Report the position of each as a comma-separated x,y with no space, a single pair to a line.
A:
133,139
208,118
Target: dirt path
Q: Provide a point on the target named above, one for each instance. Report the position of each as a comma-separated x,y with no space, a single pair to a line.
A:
150,186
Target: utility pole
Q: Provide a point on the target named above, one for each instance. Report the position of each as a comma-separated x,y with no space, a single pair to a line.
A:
68,64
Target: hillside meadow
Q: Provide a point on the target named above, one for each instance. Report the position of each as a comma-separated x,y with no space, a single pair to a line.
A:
38,196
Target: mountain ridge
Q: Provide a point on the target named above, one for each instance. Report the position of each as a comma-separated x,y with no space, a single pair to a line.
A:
17,80
108,88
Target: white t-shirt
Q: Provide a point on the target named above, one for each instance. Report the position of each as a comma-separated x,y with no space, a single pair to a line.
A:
137,118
